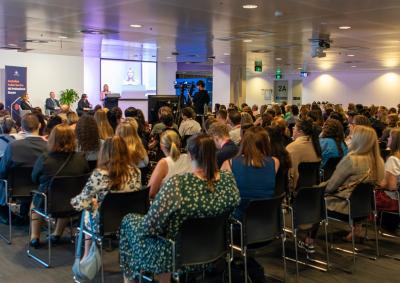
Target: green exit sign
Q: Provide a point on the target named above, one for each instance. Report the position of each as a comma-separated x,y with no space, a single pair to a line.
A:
258,66
278,74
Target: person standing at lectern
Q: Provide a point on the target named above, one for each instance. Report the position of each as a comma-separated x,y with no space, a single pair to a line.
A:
52,104
83,105
25,103
200,98
104,92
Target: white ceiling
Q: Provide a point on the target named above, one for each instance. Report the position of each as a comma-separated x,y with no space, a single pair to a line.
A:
199,29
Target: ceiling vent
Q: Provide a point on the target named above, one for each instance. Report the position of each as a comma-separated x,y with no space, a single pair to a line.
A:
39,41
97,31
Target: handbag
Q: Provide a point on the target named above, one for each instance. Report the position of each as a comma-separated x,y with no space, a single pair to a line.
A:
86,269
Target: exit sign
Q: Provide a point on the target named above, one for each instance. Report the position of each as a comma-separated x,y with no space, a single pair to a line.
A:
258,66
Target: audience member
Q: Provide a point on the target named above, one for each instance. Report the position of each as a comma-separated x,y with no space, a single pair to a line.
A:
332,141
104,127
226,147
88,137
174,163
21,153
7,126
254,168
60,160
189,126
113,173
51,123
222,116
114,117
166,121
72,119
234,120
204,192
304,148
363,163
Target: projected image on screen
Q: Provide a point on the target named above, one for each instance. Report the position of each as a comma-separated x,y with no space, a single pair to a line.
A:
132,79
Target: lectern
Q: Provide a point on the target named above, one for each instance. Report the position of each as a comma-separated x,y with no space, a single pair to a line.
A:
111,100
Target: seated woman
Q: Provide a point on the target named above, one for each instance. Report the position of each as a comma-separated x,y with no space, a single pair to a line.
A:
88,137
254,168
204,192
304,148
113,173
60,160
128,131
174,163
332,141
104,127
387,200
362,164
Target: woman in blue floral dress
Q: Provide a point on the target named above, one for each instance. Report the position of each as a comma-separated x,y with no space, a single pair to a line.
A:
202,193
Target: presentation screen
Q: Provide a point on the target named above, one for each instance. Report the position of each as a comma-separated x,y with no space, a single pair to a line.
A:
132,79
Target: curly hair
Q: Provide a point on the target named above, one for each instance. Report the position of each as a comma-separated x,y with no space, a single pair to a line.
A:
334,129
87,134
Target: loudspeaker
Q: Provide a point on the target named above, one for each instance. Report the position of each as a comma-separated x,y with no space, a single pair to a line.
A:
155,102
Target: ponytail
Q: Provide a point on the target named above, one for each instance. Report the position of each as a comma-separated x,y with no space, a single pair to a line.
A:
309,128
174,152
171,141
315,141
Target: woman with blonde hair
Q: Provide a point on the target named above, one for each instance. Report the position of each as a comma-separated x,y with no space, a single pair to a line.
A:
362,164
105,129
128,131
174,163
72,119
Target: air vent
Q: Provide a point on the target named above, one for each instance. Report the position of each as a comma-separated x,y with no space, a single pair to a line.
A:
175,53
40,41
260,51
352,62
97,31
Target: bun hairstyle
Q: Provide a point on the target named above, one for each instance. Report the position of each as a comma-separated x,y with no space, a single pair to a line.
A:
202,150
309,129
170,140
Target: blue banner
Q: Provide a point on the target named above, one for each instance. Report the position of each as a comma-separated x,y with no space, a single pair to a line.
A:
15,84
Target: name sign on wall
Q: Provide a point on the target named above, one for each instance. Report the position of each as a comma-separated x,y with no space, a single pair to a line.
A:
15,84
281,91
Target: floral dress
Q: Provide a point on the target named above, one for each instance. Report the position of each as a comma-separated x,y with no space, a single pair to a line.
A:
181,197
97,187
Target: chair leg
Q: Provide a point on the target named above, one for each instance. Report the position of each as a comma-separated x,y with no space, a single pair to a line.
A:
245,264
228,257
49,241
284,257
101,259
29,251
296,254
376,235
353,246
326,243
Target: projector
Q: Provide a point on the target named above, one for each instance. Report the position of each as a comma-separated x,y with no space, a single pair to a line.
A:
319,45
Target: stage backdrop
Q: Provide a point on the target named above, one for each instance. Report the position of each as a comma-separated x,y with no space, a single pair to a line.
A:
15,84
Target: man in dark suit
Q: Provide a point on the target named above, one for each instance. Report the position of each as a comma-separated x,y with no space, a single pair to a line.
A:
21,153
52,103
201,98
83,105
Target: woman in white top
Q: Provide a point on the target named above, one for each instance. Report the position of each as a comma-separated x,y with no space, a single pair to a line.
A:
387,200
174,163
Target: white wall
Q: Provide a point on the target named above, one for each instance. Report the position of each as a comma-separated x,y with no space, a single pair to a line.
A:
45,73
221,84
166,76
379,88
91,73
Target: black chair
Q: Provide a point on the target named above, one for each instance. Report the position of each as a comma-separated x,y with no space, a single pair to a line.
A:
308,208
200,241
329,168
262,222
17,187
309,174
282,182
385,153
111,212
57,204
361,204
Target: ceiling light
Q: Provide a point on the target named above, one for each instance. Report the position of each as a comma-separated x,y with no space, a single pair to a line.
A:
227,54
354,66
135,26
222,62
169,57
63,37
247,40
299,68
350,55
250,6
345,27
12,45
278,59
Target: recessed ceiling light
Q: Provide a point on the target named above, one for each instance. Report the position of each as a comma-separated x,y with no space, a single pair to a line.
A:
250,6
345,27
299,68
222,62
247,40
278,59
354,66
169,57
135,26
12,45
227,54
350,55
63,37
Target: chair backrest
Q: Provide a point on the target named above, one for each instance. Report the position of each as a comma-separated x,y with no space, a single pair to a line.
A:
281,182
92,164
116,205
362,200
308,174
20,182
330,167
385,153
201,240
309,206
60,192
262,220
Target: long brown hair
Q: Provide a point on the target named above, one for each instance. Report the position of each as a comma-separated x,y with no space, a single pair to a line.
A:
128,131
114,157
395,144
202,150
334,129
62,139
105,129
87,134
255,146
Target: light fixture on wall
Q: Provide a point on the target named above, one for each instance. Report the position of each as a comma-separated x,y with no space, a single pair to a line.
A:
247,40
135,26
350,55
345,27
250,6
